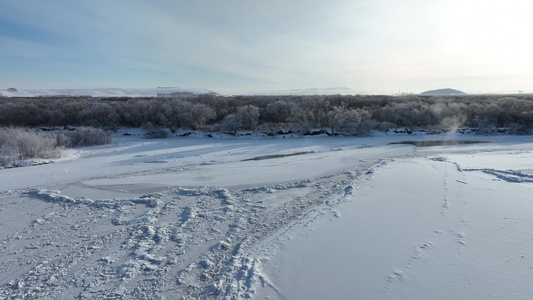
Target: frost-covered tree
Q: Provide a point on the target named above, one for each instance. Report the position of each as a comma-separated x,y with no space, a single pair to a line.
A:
195,115
245,118
311,113
350,121
184,114
408,114
136,113
101,115
278,112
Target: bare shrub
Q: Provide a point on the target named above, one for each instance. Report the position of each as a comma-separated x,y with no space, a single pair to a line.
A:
8,153
62,139
84,136
17,144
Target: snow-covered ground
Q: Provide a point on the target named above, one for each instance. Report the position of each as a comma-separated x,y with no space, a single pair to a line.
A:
272,218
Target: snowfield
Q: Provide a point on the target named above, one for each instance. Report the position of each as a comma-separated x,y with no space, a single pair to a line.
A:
272,218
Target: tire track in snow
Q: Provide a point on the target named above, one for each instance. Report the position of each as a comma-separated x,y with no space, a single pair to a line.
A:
52,254
189,243
508,175
341,189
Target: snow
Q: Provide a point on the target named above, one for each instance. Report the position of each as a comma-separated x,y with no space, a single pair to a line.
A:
101,92
436,233
308,218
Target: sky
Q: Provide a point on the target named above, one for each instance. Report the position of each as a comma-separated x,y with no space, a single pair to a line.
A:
256,46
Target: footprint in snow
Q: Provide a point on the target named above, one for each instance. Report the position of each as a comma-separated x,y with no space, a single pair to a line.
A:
397,276
348,190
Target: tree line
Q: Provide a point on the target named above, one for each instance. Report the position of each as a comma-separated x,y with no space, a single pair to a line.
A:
356,115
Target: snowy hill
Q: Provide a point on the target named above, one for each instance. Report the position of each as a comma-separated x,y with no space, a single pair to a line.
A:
443,92
102,92
313,91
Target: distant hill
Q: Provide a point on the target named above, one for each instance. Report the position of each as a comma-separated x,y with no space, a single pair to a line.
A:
312,91
106,92
443,92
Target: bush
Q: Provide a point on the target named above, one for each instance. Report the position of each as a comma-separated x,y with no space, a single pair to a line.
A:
8,154
17,144
84,136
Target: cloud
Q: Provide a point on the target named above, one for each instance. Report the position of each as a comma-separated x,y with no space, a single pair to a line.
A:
374,45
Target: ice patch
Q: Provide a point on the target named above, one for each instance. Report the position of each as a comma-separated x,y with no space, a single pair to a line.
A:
156,161
439,158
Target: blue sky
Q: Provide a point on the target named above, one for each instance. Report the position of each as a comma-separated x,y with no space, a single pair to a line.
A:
247,46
